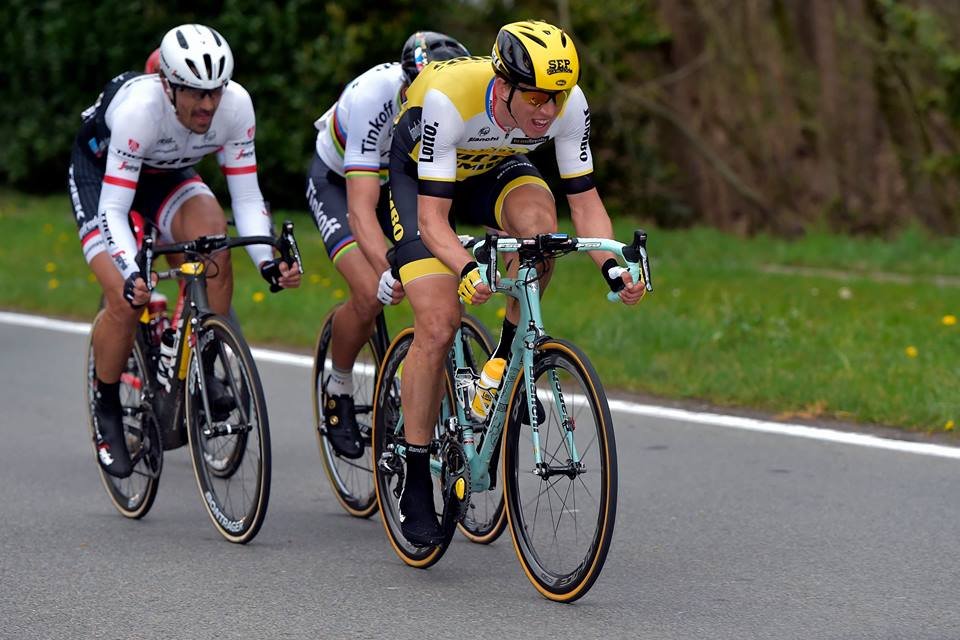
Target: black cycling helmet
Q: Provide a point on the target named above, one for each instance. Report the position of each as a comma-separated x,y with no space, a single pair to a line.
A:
423,47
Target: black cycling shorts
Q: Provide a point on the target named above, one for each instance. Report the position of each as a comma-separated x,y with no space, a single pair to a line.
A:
160,193
477,200
327,199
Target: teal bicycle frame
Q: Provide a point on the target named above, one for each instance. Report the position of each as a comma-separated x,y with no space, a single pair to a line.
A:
526,290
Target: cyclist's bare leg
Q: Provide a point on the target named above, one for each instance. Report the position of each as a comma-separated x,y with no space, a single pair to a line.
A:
201,215
436,317
528,210
113,336
353,324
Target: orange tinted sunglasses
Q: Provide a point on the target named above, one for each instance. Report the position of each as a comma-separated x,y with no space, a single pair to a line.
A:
536,98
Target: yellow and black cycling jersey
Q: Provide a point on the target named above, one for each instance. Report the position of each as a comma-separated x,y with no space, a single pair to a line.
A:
448,127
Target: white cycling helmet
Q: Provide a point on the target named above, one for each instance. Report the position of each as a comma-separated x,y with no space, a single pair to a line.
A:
196,56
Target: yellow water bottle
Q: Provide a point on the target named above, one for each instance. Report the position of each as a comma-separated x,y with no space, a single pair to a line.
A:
487,387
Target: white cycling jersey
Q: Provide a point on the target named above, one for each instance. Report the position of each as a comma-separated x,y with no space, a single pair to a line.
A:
355,133
145,132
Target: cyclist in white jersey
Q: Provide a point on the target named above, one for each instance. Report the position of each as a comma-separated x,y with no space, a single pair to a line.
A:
136,150
459,146
347,192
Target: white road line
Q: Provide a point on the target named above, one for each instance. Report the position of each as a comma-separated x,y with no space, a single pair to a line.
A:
619,406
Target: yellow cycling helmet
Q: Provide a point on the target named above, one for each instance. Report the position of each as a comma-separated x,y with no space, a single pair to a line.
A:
537,54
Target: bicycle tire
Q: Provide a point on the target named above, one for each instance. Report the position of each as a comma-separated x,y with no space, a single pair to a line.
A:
389,482
351,480
236,503
559,569
486,518
132,496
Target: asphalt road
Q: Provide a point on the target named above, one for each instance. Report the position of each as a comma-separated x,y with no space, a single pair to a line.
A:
720,534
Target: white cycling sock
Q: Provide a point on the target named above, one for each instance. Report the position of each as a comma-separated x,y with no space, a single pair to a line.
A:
340,382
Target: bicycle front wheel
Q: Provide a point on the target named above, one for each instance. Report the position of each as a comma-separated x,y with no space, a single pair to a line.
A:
134,495
562,511
230,451
351,480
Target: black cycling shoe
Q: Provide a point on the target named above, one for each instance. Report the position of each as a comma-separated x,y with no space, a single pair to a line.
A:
418,520
341,424
221,400
111,444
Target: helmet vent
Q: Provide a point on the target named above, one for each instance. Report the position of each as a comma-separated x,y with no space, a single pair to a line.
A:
563,39
216,37
182,40
222,65
208,63
193,69
530,36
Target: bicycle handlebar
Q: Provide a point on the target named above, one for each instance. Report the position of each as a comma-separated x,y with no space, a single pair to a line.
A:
208,245
550,245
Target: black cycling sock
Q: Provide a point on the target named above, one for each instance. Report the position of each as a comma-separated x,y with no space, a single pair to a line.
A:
109,392
418,464
506,340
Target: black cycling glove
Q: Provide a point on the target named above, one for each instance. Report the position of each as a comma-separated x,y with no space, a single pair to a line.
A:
270,270
611,273
128,288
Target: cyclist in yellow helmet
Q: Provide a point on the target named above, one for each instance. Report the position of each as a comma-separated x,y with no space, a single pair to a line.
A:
460,145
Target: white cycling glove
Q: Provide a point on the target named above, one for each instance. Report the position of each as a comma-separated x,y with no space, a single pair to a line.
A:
385,289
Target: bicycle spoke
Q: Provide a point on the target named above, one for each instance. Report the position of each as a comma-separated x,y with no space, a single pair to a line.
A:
573,490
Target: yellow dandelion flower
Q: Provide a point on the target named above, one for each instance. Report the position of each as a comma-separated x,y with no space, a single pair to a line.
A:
91,278
501,313
51,267
48,228
911,351
53,283
948,426
325,282
338,293
949,320
258,296
62,237
314,279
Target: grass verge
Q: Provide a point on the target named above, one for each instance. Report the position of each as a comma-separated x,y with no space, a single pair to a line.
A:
825,326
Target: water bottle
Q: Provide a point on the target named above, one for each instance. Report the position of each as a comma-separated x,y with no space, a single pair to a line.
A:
487,387
168,357
157,310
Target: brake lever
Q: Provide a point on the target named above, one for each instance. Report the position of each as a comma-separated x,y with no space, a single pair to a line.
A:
289,250
489,272
145,260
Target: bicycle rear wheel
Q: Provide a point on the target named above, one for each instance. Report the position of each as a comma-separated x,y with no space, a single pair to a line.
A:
231,457
132,496
486,518
561,514
351,480
390,466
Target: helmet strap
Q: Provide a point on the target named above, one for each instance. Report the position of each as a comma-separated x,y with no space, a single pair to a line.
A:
513,90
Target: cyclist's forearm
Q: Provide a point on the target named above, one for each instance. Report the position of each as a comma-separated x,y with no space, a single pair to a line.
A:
369,238
250,213
437,234
363,194
590,220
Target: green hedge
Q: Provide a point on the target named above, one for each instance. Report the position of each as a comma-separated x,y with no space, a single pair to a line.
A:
293,57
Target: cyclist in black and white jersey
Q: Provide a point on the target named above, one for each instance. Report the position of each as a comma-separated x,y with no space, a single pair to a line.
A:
136,149
347,192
